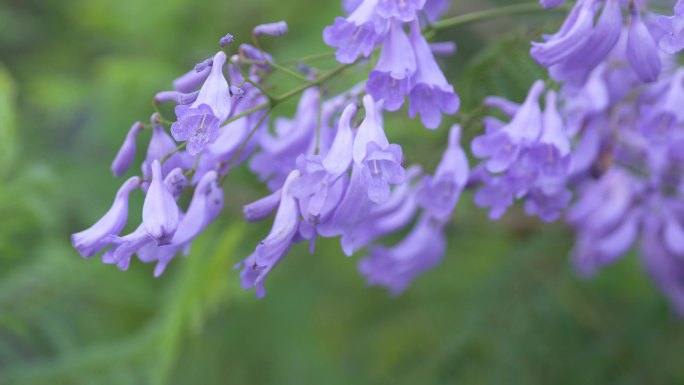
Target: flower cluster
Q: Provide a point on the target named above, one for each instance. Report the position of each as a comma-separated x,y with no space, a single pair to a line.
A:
406,66
600,146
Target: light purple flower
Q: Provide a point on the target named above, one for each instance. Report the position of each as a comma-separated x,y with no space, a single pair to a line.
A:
389,81
160,211
395,268
439,194
642,51
271,250
673,40
90,241
198,124
404,10
191,80
431,94
356,35
375,156
262,208
124,158
278,28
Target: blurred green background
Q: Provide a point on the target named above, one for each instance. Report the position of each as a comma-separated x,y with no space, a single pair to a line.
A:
504,307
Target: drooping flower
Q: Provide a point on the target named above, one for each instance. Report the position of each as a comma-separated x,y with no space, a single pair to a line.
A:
160,211
198,124
396,267
431,94
642,51
439,194
389,81
271,250
404,10
673,40
357,34
90,241
124,158
375,156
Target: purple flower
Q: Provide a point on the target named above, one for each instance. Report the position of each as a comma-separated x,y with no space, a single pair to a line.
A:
357,34
430,94
90,241
551,3
320,175
124,158
198,124
580,46
642,51
160,146
160,212
673,40
278,154
192,79
262,208
395,268
503,146
176,97
375,156
389,81
440,193
404,10
273,29
271,250
226,40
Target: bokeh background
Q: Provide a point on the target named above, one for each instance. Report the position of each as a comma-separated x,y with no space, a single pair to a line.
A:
505,306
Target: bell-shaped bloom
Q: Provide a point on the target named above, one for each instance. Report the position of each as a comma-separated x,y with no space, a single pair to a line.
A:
126,153
575,31
271,250
552,151
278,28
673,40
319,175
372,152
439,194
434,9
431,94
396,267
357,34
160,211
443,48
124,248
573,53
404,10
390,80
363,225
502,147
198,124
605,219
176,181
90,241
642,50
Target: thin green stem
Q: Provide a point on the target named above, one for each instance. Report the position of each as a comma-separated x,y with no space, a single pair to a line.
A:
244,143
473,17
245,77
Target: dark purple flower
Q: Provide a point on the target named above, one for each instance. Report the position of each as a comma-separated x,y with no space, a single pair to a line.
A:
90,241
